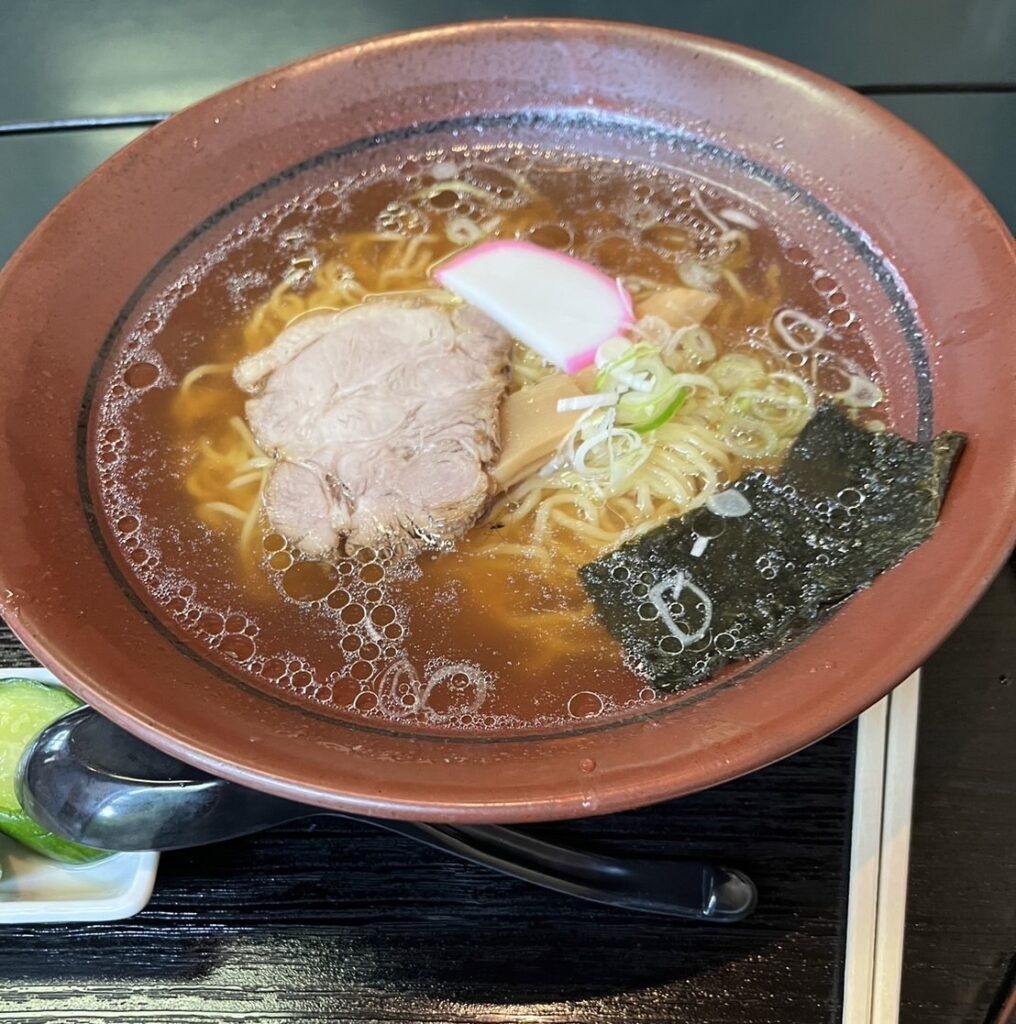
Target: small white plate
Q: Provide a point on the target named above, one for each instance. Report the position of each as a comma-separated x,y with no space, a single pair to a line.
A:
36,889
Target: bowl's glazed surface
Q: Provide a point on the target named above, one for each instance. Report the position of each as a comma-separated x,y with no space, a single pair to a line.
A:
922,256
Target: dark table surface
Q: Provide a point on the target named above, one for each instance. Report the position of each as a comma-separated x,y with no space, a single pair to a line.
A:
329,920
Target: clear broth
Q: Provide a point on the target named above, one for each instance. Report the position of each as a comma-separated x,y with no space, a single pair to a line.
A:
454,640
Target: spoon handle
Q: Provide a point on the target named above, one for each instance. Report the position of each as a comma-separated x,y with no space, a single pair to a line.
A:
87,780
698,890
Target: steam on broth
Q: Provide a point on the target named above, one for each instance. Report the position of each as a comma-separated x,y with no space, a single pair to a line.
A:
733,347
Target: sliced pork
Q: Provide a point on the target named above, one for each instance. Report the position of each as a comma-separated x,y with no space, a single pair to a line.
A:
383,419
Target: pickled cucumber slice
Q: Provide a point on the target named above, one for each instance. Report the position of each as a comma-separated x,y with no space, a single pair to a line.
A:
26,708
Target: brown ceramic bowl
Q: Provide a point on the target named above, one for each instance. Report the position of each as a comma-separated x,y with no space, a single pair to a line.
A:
923,257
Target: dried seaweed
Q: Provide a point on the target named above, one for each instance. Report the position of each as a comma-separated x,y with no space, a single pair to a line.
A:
847,505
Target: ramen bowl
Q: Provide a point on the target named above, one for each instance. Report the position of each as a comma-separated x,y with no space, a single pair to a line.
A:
857,186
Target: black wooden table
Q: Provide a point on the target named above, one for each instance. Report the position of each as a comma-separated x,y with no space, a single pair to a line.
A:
330,920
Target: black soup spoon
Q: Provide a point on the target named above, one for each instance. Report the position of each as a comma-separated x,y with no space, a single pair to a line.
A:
88,780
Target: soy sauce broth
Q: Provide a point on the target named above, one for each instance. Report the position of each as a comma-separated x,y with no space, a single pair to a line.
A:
451,640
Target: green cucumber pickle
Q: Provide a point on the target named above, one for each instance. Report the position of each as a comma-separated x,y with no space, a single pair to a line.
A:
26,708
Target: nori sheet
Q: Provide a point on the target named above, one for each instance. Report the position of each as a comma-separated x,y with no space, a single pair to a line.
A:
846,505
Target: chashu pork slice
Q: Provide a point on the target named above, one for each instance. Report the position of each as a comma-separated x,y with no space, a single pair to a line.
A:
383,419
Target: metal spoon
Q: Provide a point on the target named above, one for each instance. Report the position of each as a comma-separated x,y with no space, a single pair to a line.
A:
89,781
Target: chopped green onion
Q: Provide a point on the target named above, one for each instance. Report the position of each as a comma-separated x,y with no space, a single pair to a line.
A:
667,413
610,368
